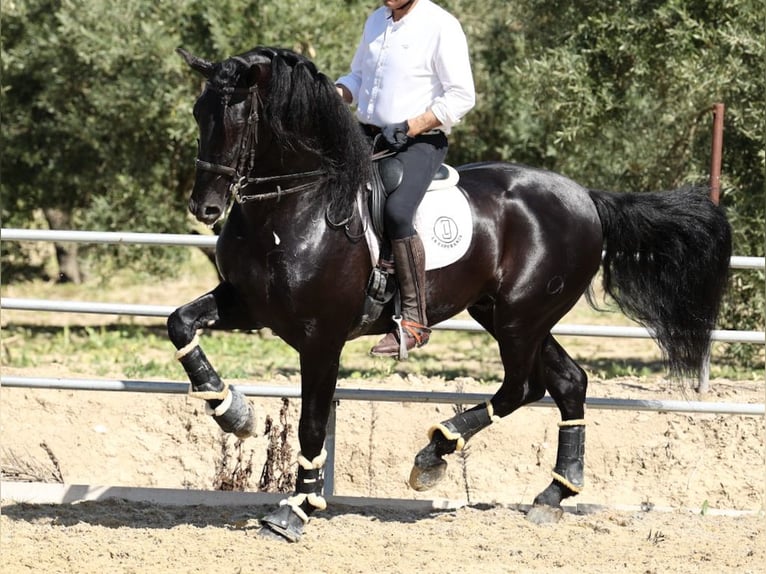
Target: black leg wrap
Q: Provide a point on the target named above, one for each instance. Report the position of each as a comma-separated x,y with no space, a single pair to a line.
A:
228,407
238,418
201,374
309,481
462,426
570,457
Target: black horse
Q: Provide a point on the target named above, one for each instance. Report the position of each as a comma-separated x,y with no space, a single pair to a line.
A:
275,136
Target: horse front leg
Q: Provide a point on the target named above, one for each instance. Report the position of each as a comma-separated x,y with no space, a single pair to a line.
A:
319,374
218,309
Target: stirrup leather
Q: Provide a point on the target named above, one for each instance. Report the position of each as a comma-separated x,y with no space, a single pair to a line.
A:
419,332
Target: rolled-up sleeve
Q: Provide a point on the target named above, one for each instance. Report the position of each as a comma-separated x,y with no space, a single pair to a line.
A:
453,68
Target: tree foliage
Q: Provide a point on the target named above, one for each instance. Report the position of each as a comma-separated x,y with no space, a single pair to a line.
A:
97,106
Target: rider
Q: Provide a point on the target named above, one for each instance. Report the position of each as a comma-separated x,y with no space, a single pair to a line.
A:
411,81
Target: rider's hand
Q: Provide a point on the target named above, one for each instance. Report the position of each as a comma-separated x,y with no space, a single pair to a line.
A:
395,135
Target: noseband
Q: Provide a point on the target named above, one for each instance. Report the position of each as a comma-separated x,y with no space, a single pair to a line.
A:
244,162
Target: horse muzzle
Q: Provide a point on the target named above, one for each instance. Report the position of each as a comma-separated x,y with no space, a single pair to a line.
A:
208,210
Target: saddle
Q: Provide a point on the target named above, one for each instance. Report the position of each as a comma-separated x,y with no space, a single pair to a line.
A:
385,177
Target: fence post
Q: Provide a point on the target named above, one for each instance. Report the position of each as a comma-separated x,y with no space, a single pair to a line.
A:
703,385
329,444
716,152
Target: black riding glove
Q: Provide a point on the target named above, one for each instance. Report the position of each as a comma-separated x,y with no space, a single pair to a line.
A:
395,135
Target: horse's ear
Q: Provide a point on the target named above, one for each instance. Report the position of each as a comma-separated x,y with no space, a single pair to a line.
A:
202,66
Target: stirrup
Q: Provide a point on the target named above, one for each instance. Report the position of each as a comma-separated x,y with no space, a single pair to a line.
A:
413,330
405,336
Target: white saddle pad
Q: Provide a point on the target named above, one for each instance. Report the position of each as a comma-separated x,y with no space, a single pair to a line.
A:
443,221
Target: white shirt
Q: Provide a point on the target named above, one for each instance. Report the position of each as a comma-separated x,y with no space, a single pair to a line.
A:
401,69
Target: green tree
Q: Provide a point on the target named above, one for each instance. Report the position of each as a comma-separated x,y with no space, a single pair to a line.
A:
618,96
97,121
98,131
96,112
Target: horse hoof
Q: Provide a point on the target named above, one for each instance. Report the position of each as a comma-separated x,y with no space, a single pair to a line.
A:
542,514
271,532
282,524
426,478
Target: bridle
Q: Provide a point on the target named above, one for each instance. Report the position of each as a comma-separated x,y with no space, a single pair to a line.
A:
244,163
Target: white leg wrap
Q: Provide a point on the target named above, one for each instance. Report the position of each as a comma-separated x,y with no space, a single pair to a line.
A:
318,461
491,411
186,349
223,407
572,423
295,501
223,395
314,499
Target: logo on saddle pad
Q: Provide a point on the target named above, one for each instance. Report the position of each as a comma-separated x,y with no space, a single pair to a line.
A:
443,222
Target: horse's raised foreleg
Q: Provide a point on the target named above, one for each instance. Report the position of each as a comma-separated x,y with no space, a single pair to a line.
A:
216,309
319,373
567,384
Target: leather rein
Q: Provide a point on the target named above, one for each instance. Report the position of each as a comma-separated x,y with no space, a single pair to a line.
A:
245,160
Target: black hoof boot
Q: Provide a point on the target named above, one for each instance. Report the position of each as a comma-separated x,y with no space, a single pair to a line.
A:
282,524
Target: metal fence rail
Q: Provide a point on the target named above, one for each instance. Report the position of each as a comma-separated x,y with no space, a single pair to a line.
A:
182,240
172,387
100,308
757,263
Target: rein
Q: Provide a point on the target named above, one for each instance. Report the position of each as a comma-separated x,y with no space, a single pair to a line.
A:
245,161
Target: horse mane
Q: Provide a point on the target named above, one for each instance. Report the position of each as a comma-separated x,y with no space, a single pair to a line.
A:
305,113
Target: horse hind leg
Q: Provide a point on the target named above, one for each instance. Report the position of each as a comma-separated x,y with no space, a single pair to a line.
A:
567,383
445,438
228,407
451,435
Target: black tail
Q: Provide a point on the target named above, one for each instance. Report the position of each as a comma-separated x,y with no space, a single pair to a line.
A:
666,265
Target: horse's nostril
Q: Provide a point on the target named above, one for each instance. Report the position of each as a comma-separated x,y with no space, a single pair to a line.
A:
212,210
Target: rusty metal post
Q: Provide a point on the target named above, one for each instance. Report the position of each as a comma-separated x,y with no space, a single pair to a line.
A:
715,156
703,385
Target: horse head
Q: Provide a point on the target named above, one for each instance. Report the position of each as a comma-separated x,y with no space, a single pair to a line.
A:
227,113
270,122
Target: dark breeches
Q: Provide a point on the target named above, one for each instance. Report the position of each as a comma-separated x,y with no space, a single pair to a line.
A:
420,160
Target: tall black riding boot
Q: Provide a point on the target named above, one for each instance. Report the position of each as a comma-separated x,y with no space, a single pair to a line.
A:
410,265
